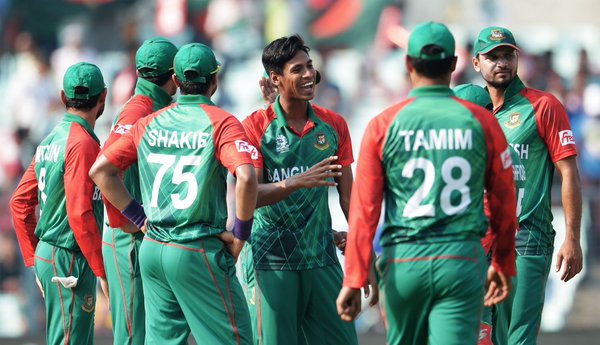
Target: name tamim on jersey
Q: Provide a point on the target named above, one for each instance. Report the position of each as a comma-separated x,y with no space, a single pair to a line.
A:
437,139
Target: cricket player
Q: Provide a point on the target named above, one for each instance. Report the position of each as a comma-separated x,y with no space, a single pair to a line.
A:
184,152
121,239
303,150
431,156
64,245
536,127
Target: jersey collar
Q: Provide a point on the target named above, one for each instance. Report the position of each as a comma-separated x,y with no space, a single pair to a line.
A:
160,98
194,99
313,120
515,86
431,91
78,119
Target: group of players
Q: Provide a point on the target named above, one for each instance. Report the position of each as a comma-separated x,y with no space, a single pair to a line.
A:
445,167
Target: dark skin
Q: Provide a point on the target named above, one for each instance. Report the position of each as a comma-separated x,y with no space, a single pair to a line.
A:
296,87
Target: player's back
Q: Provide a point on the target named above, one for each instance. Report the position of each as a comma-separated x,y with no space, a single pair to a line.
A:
70,138
182,182
434,158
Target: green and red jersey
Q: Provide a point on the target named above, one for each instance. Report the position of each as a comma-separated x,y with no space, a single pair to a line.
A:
183,153
57,180
537,129
146,99
431,156
295,233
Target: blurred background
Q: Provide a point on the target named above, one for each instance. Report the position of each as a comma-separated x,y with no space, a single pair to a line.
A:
358,47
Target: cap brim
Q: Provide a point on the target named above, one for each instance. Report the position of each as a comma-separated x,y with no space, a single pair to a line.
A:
492,47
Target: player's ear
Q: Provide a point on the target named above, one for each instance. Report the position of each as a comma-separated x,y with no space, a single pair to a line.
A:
453,66
275,78
409,66
175,80
475,62
63,98
102,98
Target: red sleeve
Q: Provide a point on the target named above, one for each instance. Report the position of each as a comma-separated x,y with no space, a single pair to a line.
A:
135,109
22,208
366,199
500,188
123,152
340,126
254,126
230,141
80,154
552,125
488,239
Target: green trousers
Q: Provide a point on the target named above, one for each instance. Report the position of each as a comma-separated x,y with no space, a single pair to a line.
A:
433,292
120,255
192,286
517,319
69,312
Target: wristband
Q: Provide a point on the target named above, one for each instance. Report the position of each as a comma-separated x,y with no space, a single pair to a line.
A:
135,213
242,228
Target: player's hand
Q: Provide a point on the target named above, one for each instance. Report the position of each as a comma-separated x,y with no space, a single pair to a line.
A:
233,245
570,258
130,228
143,229
319,175
39,284
371,288
267,90
339,239
104,287
348,303
498,286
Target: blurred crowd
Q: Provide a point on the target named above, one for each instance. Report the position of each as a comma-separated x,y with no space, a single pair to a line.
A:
360,78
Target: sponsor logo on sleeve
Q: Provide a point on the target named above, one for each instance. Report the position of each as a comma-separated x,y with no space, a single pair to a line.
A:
505,159
243,146
122,129
566,138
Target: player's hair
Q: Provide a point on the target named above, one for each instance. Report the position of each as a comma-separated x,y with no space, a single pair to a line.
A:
193,87
432,68
277,53
82,104
159,80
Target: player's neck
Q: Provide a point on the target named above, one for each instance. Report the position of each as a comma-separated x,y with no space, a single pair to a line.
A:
294,109
421,81
88,116
496,95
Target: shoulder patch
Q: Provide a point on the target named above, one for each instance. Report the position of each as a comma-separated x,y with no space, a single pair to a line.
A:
566,138
243,146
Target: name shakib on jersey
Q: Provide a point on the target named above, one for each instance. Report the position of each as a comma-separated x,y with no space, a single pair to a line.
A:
177,139
279,174
522,150
437,139
47,153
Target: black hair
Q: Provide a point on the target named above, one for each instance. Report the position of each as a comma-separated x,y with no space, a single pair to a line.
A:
432,69
193,87
82,104
279,52
159,80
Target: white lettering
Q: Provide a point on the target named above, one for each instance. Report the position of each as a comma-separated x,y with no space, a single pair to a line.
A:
437,139
175,139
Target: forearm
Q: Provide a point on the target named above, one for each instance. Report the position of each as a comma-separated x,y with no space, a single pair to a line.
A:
113,189
571,202
245,193
271,193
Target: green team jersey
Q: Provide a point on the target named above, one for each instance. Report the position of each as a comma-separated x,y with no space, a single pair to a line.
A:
536,127
295,233
430,158
146,99
183,154
57,180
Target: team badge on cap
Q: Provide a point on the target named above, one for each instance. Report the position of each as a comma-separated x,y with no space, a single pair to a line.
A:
514,120
496,35
321,142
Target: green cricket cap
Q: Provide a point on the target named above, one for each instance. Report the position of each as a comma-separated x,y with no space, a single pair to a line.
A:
491,38
155,57
473,93
82,81
198,58
427,34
